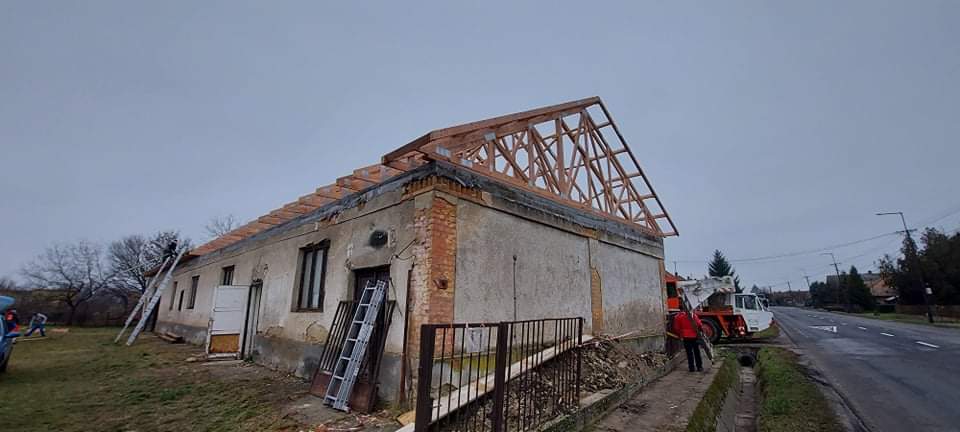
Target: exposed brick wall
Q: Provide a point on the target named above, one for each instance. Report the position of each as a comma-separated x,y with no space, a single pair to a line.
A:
434,273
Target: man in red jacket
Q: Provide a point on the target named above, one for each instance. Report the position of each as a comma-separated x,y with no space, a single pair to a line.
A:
687,326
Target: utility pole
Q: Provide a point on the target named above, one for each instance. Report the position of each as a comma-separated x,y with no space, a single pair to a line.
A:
915,265
840,291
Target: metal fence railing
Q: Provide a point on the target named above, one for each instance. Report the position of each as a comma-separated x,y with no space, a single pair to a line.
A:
513,375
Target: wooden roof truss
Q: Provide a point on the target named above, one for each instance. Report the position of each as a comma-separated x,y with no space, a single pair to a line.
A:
570,152
563,152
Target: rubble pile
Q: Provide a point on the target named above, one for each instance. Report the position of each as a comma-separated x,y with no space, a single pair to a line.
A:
532,399
608,364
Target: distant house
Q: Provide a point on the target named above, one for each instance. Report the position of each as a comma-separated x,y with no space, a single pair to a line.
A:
549,204
881,292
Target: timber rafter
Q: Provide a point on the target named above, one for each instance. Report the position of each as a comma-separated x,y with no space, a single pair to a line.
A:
571,152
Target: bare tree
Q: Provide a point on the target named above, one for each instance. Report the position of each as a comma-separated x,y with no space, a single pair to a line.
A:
8,284
74,273
220,225
134,255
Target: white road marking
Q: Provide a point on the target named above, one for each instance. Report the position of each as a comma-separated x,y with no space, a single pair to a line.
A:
928,344
843,323
887,334
832,329
861,328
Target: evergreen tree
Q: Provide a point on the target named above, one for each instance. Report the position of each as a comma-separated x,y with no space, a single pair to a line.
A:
857,292
822,294
719,266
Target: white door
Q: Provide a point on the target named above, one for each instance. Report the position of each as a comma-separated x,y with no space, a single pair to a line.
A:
748,306
226,319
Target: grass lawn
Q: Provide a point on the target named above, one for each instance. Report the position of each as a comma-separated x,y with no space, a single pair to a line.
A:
915,319
81,381
789,401
770,333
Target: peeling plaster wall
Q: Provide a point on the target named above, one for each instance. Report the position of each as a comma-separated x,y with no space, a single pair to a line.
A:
290,340
553,273
553,278
632,298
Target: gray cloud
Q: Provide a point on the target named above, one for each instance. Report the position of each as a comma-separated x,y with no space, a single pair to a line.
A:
765,128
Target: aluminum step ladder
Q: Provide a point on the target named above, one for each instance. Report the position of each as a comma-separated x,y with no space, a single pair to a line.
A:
355,346
154,299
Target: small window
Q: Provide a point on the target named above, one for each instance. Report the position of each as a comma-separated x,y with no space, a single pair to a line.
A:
180,304
173,296
313,265
227,278
739,302
192,300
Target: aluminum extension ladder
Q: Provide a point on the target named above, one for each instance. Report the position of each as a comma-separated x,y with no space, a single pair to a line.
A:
154,299
355,346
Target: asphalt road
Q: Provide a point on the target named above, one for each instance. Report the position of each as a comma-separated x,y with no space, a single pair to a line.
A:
896,376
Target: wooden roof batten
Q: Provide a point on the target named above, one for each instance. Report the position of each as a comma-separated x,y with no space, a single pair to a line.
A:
559,152
571,152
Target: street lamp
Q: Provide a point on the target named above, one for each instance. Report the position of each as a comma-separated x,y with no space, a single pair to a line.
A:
902,219
915,261
840,291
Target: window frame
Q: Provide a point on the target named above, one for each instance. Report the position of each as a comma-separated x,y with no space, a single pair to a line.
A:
192,300
298,287
224,272
173,296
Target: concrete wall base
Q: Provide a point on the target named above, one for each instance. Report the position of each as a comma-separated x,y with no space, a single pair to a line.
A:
191,334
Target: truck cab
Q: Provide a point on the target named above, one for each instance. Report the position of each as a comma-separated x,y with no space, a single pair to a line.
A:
754,312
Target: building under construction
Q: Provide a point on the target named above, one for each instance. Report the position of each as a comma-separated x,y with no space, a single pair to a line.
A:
544,213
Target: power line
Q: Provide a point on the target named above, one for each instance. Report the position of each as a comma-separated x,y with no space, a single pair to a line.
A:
796,253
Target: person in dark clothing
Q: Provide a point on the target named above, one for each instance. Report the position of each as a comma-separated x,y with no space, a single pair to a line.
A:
687,326
37,322
12,319
170,251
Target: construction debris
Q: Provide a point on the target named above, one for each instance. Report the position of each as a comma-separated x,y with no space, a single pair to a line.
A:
608,364
170,337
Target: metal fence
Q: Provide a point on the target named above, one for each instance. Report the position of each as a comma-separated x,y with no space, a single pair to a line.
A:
364,394
338,333
503,376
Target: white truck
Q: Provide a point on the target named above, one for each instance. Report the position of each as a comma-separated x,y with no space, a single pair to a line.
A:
723,311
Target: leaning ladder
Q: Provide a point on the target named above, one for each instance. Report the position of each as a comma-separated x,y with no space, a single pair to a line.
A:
142,301
154,299
355,346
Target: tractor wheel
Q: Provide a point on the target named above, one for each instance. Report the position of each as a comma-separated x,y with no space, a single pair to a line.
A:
711,330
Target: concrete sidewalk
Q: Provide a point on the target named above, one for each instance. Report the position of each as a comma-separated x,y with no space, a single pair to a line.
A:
663,405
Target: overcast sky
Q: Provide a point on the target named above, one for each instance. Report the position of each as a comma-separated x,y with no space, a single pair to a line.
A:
765,128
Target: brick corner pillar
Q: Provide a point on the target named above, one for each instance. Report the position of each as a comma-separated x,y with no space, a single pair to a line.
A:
434,274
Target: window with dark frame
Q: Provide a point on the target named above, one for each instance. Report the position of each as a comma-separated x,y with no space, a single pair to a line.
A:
180,304
192,300
227,278
173,296
313,269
